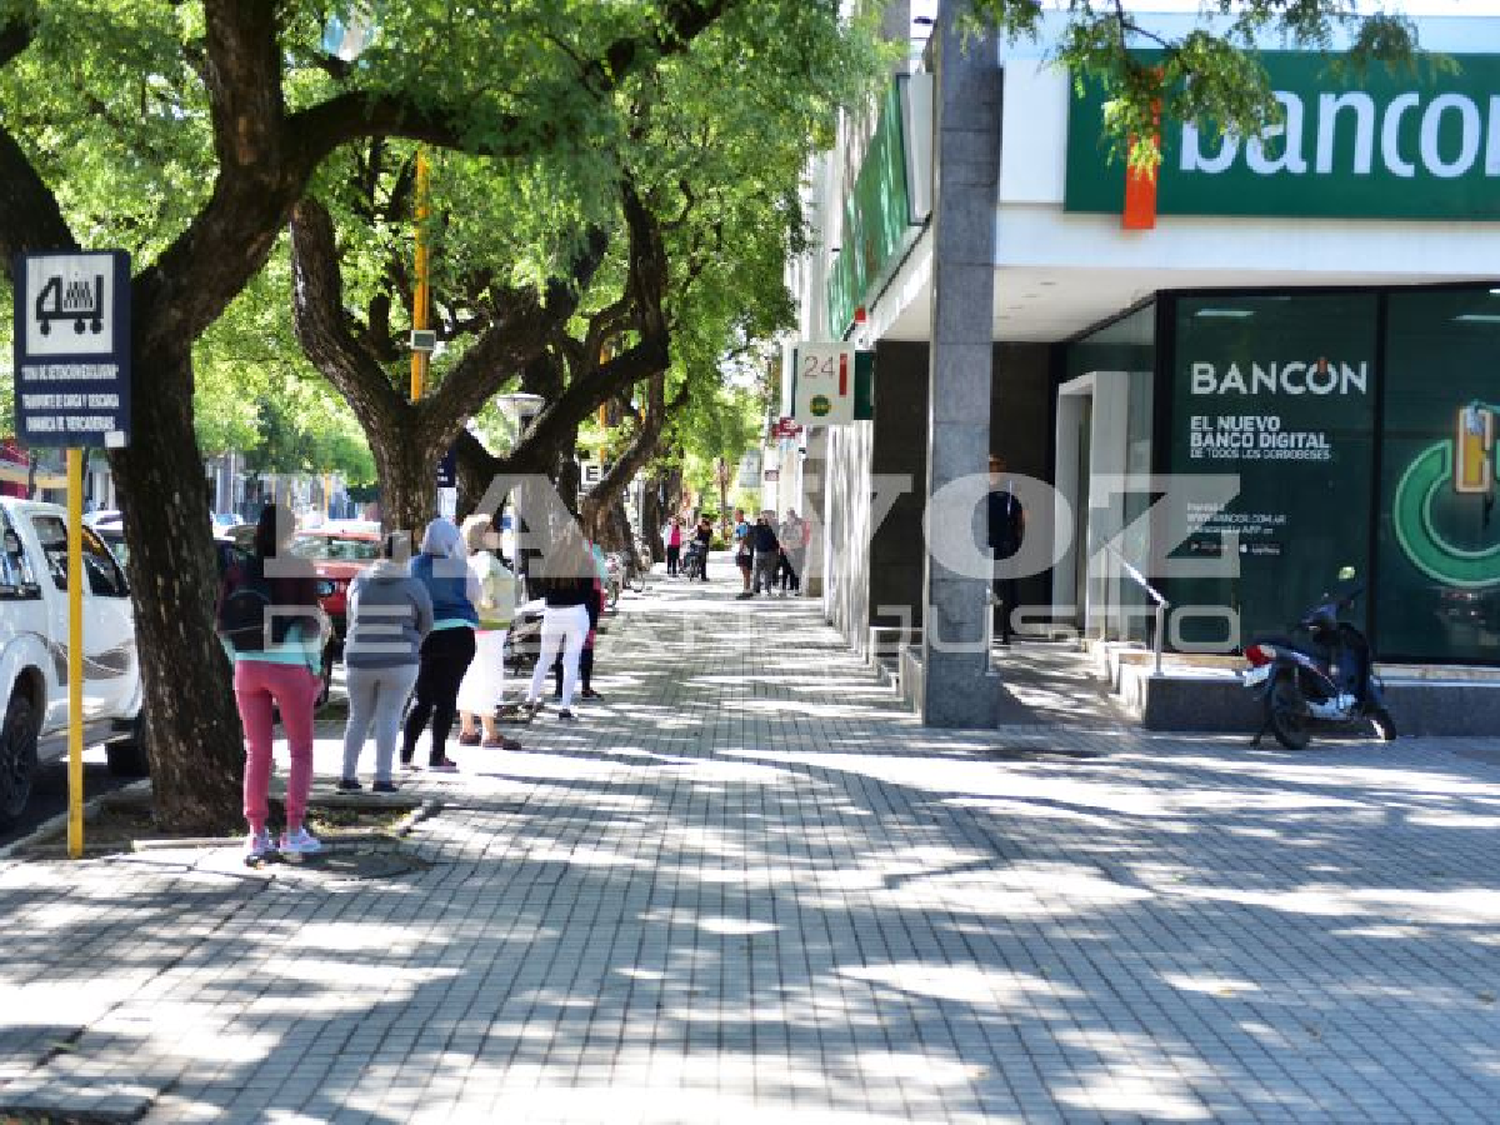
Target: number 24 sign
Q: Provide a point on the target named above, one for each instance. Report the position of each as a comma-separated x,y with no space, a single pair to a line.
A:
823,383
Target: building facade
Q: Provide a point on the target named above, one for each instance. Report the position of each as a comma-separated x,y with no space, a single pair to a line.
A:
1281,361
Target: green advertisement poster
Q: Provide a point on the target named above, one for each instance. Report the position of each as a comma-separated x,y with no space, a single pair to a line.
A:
1282,392
1439,531
1382,144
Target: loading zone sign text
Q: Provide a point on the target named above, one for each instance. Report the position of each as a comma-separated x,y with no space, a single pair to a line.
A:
72,333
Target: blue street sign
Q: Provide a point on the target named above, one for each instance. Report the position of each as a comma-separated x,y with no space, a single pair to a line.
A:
72,349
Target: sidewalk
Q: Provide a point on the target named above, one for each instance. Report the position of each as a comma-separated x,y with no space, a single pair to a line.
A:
747,887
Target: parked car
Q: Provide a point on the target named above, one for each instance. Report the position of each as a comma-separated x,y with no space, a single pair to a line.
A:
337,556
34,644
242,535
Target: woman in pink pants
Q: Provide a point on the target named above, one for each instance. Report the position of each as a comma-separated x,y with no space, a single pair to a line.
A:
280,669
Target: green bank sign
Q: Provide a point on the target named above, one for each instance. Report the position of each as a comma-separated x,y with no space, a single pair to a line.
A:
877,216
1379,145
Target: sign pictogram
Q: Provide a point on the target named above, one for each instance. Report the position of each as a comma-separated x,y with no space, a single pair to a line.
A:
72,349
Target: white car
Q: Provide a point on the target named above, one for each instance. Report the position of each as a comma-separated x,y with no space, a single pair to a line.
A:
34,650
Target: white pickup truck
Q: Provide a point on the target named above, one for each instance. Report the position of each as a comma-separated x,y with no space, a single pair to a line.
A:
34,651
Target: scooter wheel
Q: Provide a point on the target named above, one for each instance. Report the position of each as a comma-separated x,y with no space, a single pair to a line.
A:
1385,726
1286,713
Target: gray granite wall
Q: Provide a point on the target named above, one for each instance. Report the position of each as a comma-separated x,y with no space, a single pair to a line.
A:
960,690
847,516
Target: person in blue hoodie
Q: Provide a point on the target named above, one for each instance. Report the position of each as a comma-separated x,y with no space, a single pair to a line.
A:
449,648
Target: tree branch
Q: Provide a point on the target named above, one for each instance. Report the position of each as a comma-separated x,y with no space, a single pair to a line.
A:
323,328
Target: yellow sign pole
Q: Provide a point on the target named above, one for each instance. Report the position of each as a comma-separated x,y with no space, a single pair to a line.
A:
421,298
75,653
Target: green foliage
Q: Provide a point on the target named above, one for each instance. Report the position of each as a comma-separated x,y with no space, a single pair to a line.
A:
1212,74
255,393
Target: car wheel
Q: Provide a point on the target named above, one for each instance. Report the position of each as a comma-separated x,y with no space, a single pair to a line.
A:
17,758
127,756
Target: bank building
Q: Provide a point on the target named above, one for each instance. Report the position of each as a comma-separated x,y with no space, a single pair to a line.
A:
1312,315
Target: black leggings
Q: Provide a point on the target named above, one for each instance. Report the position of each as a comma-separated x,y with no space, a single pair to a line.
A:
446,654
585,670
674,554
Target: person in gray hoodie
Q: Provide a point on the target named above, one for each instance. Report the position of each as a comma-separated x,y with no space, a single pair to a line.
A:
390,614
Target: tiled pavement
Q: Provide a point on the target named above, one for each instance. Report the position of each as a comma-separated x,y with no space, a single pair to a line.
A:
746,887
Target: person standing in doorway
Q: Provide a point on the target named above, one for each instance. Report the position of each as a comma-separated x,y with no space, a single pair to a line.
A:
1007,529
449,648
390,614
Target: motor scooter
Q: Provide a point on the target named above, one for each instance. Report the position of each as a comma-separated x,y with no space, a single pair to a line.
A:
1329,683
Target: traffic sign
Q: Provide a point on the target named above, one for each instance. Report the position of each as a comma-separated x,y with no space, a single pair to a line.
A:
72,349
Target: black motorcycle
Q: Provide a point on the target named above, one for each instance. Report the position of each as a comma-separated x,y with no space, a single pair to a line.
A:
1329,683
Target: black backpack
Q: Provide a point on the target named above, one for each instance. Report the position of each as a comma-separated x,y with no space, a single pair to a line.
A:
242,613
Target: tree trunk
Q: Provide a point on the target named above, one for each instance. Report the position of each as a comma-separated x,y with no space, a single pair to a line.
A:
193,740
652,518
408,481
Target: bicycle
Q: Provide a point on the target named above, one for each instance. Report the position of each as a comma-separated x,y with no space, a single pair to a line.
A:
637,574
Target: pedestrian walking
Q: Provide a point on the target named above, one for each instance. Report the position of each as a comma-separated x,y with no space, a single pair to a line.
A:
703,537
673,537
1007,529
390,615
744,549
448,649
766,550
483,688
566,587
273,629
794,535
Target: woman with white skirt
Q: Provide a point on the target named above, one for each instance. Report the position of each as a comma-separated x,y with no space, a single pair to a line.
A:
483,687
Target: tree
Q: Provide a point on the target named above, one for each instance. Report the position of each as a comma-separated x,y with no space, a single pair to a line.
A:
1212,73
188,133
713,153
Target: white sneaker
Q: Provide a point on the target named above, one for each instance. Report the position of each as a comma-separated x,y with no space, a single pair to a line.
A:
295,845
258,847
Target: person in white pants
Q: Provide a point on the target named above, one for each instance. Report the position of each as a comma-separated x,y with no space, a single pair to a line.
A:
480,694
566,589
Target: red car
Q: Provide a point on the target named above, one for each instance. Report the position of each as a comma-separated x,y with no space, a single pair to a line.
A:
337,555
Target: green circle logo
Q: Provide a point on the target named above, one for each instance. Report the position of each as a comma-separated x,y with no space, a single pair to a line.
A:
821,406
1417,527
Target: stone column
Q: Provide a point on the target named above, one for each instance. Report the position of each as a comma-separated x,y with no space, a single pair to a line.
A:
959,689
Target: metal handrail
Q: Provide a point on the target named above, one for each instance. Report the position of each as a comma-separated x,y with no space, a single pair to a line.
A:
1162,605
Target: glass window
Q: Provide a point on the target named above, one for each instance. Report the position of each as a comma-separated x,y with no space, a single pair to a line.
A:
105,578
335,548
17,578
1280,392
1438,540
